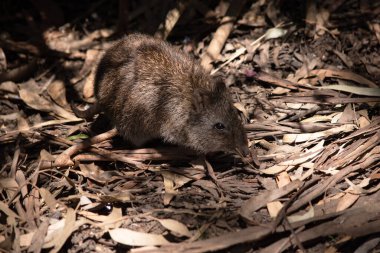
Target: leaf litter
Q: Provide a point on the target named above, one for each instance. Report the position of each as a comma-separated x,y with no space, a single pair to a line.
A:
307,90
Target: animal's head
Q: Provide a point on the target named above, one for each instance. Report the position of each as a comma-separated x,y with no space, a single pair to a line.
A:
214,123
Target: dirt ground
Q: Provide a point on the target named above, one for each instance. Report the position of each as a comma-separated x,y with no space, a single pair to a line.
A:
304,76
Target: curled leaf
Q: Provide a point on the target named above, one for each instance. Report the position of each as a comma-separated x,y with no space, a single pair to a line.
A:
133,238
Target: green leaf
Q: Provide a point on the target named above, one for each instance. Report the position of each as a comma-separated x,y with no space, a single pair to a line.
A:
77,136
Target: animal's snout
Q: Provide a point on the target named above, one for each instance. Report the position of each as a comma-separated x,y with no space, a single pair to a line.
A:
244,150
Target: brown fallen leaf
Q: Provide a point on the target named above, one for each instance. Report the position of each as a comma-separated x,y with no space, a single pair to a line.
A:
257,202
241,108
300,217
132,238
9,86
342,74
3,61
49,199
364,91
11,216
346,201
111,221
297,138
274,208
172,181
94,172
348,115
30,93
282,179
175,227
57,91
92,56
291,162
59,232
122,197
37,240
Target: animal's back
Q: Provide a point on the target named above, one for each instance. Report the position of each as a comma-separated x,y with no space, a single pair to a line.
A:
149,89
144,87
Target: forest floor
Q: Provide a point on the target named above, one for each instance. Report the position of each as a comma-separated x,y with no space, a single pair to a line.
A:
304,75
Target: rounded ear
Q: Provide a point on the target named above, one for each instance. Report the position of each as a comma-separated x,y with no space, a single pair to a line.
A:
219,86
199,100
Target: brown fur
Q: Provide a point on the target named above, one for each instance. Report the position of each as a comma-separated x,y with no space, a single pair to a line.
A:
149,89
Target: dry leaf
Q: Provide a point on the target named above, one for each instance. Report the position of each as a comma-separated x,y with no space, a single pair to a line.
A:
289,164
123,197
11,216
60,231
363,122
111,221
274,33
22,123
348,115
371,92
242,109
307,174
175,227
9,184
257,202
94,172
50,201
84,201
343,74
92,56
169,187
172,181
299,106
132,238
26,239
275,169
280,91
88,88
282,179
3,61
39,237
209,186
346,201
336,118
274,208
9,86
320,118
308,215
29,94
297,138
57,91
46,156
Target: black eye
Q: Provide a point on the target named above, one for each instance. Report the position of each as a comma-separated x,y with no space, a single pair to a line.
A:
219,126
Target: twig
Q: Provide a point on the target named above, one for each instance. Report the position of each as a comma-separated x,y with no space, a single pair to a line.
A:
64,157
171,19
302,114
13,134
324,185
221,34
295,236
282,214
211,173
250,234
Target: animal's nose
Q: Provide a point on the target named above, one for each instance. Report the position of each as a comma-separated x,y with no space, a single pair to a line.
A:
244,150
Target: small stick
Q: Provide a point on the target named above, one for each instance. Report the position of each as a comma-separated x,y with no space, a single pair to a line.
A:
64,157
302,114
221,34
211,173
171,19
